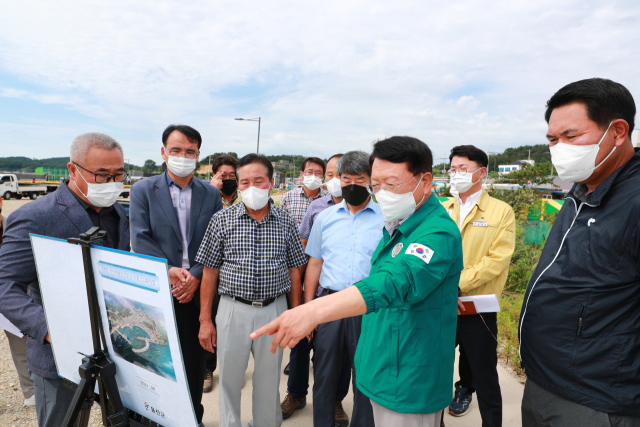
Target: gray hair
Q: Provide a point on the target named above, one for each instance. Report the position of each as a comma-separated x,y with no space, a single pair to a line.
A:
81,144
354,163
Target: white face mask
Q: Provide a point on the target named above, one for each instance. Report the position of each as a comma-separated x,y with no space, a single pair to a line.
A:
576,163
462,183
312,182
181,166
397,206
334,187
101,195
255,198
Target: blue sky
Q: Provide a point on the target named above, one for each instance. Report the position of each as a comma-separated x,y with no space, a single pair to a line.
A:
325,77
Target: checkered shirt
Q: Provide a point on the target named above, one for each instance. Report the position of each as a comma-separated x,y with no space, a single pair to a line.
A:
253,258
296,203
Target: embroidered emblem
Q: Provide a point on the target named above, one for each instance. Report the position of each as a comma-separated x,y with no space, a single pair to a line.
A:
396,250
421,251
591,221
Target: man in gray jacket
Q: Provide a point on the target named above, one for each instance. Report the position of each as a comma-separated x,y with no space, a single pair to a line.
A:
18,347
96,172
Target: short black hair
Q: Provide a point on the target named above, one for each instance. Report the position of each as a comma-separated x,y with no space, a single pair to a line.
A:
334,156
404,149
191,134
472,153
255,158
604,99
315,160
224,159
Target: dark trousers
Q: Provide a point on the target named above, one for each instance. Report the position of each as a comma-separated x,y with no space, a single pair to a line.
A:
52,400
187,319
478,362
298,381
335,344
542,408
212,358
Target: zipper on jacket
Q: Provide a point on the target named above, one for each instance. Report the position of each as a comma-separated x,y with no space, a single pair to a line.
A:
578,208
575,342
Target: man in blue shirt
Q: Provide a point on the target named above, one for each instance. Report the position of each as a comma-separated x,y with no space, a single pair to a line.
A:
341,244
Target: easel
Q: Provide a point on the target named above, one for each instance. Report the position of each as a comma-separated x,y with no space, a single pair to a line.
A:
98,367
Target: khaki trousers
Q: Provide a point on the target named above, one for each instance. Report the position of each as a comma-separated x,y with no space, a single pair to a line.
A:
235,322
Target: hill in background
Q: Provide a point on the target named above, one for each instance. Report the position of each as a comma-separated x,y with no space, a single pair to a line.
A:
539,153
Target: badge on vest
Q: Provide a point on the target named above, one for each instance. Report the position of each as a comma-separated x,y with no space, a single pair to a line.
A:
421,251
480,224
396,250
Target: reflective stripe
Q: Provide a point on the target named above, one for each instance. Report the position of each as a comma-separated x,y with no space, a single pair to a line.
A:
543,271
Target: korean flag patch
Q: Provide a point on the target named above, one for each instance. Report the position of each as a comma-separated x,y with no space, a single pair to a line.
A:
421,251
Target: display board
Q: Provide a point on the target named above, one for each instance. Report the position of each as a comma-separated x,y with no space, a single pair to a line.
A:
134,295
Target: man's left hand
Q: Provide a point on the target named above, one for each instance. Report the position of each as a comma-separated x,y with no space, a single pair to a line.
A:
184,293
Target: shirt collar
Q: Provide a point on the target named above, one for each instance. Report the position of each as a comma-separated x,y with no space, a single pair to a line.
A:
472,199
343,205
242,210
171,182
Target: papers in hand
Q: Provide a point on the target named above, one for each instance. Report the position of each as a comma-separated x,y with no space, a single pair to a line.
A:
10,327
482,303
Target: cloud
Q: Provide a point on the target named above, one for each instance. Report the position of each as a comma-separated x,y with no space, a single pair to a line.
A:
324,77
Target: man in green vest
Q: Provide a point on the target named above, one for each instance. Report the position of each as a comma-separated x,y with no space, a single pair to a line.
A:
404,361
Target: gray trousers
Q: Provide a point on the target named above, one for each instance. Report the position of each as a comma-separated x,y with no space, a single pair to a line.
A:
18,348
542,408
235,322
52,400
336,343
387,418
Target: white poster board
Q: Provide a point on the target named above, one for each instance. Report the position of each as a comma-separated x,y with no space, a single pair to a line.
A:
9,327
136,304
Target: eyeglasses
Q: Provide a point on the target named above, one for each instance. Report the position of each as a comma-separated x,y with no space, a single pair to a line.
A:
176,152
461,171
394,188
310,173
102,178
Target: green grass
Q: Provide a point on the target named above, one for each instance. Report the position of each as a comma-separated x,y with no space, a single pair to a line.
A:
508,318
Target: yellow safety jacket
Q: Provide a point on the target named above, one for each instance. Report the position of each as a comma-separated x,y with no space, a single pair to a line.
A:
488,241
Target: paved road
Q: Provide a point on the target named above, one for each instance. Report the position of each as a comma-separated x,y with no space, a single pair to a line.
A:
511,394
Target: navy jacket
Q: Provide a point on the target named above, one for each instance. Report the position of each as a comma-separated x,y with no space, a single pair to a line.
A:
57,215
580,321
155,229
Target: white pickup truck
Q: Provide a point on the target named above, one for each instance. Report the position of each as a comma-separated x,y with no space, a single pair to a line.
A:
9,187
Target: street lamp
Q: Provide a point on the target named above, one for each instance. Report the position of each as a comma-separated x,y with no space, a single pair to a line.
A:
255,120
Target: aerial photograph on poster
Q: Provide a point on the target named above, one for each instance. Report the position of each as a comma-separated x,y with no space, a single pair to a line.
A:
139,335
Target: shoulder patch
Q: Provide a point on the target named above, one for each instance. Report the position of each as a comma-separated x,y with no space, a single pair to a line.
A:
421,251
396,250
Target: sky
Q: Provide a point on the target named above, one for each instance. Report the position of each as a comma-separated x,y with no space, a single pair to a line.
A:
325,77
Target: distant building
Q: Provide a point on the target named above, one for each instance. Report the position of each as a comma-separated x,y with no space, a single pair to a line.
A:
204,169
514,166
279,178
283,164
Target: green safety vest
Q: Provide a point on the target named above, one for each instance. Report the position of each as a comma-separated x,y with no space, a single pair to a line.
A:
404,361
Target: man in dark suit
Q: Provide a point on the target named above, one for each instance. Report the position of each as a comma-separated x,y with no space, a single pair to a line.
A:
169,217
96,173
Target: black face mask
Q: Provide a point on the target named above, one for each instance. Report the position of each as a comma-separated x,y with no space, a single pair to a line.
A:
229,186
355,194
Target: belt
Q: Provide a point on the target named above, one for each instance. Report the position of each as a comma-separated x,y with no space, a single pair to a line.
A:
258,304
328,291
